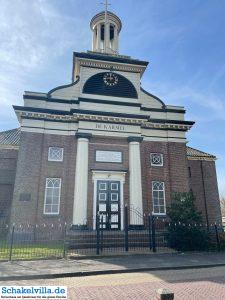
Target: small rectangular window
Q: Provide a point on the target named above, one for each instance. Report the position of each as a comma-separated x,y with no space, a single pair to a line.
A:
25,197
156,159
158,198
189,171
55,154
52,196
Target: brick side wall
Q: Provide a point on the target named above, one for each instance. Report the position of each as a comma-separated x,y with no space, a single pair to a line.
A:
178,166
203,176
27,177
154,173
32,170
8,161
173,172
64,170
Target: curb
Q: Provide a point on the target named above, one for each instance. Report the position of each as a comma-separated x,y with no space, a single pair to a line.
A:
121,255
131,254
106,272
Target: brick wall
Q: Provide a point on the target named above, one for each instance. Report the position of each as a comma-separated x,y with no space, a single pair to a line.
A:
64,170
33,168
178,166
8,160
203,177
173,172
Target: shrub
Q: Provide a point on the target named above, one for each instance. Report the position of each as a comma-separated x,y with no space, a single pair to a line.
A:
185,230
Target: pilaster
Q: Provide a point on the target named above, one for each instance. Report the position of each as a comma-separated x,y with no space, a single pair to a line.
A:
81,181
136,205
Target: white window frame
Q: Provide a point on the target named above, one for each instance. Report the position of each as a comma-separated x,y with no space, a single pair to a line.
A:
154,213
112,176
51,159
46,187
156,165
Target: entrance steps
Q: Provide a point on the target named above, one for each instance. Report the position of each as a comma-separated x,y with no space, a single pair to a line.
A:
108,239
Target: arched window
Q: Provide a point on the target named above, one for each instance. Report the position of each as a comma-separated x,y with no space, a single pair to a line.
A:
158,197
52,196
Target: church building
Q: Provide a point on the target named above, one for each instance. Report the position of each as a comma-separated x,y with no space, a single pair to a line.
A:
100,143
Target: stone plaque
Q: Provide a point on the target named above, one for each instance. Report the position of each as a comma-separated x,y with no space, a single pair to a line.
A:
109,156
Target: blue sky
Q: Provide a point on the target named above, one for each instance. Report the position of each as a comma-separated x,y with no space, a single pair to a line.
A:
184,41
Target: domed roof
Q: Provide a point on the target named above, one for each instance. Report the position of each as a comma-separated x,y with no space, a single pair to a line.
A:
101,17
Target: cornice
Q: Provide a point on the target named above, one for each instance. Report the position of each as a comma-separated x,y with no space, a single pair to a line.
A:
110,58
201,158
109,102
109,114
138,139
47,117
166,126
101,16
83,135
9,147
76,117
172,121
109,66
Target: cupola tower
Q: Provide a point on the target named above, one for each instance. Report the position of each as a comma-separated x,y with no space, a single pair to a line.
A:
106,27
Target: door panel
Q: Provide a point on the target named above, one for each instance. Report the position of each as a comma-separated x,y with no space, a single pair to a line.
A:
102,196
108,203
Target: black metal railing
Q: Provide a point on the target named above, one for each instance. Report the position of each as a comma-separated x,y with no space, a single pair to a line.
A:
138,233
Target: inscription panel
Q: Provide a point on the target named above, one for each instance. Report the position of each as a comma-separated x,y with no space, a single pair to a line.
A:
109,156
110,127
113,129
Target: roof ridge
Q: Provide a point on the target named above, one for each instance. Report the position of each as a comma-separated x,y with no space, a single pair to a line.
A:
10,137
193,152
199,150
10,130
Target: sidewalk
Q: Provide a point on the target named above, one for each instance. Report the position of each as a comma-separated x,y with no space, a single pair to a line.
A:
21,270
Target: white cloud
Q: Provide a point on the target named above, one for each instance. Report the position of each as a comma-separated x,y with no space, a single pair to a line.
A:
190,96
32,35
33,31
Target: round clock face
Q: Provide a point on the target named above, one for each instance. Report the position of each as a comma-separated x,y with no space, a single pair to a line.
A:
110,79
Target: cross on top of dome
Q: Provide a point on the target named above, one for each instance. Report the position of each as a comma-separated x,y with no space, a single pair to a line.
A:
106,27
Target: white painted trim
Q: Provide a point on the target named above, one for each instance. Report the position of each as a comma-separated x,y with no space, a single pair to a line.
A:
156,165
150,138
9,147
81,183
164,196
110,176
158,214
57,160
135,189
60,185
